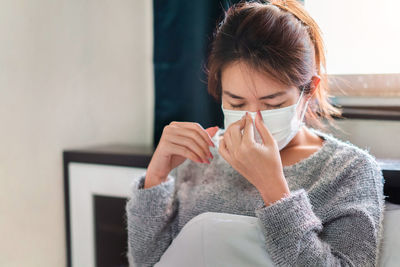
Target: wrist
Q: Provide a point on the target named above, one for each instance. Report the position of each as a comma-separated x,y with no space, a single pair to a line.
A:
154,175
152,180
269,200
271,195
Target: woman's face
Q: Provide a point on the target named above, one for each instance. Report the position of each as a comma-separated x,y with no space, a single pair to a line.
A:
246,89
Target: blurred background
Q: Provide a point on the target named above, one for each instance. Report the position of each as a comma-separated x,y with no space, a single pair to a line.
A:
82,73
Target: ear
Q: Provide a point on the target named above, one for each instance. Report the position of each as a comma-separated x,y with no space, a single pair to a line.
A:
314,84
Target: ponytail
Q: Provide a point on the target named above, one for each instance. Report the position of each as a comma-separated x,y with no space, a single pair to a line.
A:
326,110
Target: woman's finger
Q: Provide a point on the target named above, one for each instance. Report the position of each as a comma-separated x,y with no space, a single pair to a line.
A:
262,129
223,150
235,132
182,151
188,143
227,140
199,129
212,131
248,133
189,132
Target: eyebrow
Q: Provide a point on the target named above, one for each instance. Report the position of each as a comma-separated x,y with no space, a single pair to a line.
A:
261,98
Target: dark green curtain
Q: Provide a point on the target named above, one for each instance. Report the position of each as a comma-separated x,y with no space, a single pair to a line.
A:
182,35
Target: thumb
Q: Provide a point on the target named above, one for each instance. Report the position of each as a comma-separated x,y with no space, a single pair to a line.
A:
265,134
248,132
212,130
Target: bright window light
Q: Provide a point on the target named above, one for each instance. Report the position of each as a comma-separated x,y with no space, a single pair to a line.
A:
361,36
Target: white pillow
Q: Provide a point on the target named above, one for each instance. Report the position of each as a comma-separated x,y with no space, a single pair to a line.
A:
218,239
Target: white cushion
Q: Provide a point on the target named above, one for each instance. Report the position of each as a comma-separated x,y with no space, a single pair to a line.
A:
220,239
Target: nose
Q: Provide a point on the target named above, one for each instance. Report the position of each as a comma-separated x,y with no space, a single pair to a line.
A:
255,108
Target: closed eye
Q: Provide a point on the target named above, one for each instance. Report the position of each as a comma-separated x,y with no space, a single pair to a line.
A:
272,106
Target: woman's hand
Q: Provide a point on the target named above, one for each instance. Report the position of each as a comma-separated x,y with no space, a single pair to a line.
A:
260,164
179,141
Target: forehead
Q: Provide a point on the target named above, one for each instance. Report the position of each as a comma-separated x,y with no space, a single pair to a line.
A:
240,79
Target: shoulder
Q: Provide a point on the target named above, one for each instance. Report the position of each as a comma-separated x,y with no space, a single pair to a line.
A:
344,154
352,175
350,165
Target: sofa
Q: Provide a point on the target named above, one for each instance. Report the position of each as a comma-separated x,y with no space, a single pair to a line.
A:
220,239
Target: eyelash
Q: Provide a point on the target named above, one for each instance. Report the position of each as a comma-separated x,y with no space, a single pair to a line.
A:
241,105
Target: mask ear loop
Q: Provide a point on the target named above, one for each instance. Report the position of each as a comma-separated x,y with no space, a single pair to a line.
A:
305,108
301,95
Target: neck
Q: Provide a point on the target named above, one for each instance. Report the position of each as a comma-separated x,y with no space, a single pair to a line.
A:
298,140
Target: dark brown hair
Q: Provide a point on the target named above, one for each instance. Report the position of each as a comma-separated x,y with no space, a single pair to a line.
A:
279,39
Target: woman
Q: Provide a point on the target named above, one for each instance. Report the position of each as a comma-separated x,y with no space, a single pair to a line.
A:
320,199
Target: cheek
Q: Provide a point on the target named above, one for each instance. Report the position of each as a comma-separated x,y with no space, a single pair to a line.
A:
224,104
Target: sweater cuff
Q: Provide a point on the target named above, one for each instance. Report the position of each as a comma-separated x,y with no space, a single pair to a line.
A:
288,218
153,201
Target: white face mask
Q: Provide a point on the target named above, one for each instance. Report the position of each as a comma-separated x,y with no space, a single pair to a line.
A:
283,123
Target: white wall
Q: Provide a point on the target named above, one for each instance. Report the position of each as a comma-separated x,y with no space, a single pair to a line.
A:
72,73
381,138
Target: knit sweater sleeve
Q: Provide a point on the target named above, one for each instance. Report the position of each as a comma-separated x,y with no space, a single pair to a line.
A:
349,232
151,221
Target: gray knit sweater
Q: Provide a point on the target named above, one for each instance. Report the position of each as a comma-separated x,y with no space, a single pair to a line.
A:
333,216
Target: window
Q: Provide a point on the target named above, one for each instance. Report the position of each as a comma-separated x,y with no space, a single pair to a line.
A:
362,41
